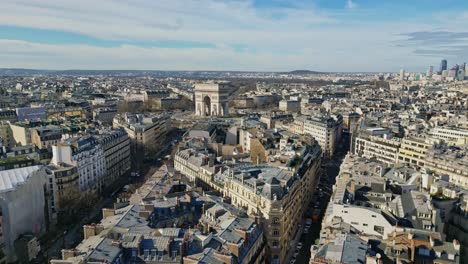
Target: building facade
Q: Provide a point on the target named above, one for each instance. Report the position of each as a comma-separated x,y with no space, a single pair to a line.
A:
88,157
22,204
278,197
211,99
384,150
327,130
116,148
147,132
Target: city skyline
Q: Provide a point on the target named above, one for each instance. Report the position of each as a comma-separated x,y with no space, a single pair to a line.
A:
325,36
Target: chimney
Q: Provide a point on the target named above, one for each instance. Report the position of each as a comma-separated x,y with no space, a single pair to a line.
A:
413,249
431,241
144,214
99,229
67,253
410,236
89,231
204,207
183,247
456,245
233,247
257,220
169,249
243,233
188,197
106,212
206,228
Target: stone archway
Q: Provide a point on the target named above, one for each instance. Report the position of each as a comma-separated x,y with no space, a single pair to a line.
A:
207,106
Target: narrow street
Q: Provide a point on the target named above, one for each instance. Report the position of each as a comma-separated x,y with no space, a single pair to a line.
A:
331,169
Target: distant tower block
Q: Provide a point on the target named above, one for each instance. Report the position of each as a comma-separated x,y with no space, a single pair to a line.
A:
211,98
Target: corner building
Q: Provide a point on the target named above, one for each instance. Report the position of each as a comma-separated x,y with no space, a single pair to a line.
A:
278,197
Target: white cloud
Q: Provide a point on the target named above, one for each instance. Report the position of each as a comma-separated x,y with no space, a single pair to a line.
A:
22,54
350,4
277,39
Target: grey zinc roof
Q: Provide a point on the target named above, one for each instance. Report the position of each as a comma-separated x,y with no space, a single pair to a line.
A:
10,179
105,252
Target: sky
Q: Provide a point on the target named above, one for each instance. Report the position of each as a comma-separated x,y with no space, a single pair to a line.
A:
241,35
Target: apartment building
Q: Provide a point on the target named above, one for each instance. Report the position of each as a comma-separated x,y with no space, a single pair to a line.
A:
46,136
289,106
279,197
104,115
382,149
196,166
413,151
147,132
6,135
326,130
451,135
63,189
271,119
116,147
88,156
450,161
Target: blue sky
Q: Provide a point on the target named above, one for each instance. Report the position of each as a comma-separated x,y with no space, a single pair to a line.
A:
260,35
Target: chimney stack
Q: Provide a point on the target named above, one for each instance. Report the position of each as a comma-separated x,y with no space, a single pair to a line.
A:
456,245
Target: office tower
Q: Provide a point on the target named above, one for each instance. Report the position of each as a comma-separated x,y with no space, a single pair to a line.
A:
443,65
466,69
461,74
402,74
430,71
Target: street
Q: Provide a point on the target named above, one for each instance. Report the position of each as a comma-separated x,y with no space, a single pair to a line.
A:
331,169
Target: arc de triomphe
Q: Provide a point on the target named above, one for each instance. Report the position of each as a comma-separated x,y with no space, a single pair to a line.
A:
211,98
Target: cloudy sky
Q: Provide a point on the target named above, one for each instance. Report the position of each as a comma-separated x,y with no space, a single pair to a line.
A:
251,35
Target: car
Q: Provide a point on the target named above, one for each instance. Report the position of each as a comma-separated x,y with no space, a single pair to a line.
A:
292,261
299,245
296,254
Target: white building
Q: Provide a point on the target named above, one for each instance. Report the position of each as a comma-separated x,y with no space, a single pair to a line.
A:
326,130
22,204
452,135
384,150
369,221
88,156
289,105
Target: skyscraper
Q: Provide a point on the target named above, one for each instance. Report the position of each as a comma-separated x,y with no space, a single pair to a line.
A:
430,71
402,74
443,65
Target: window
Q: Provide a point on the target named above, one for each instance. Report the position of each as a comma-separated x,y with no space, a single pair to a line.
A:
379,229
